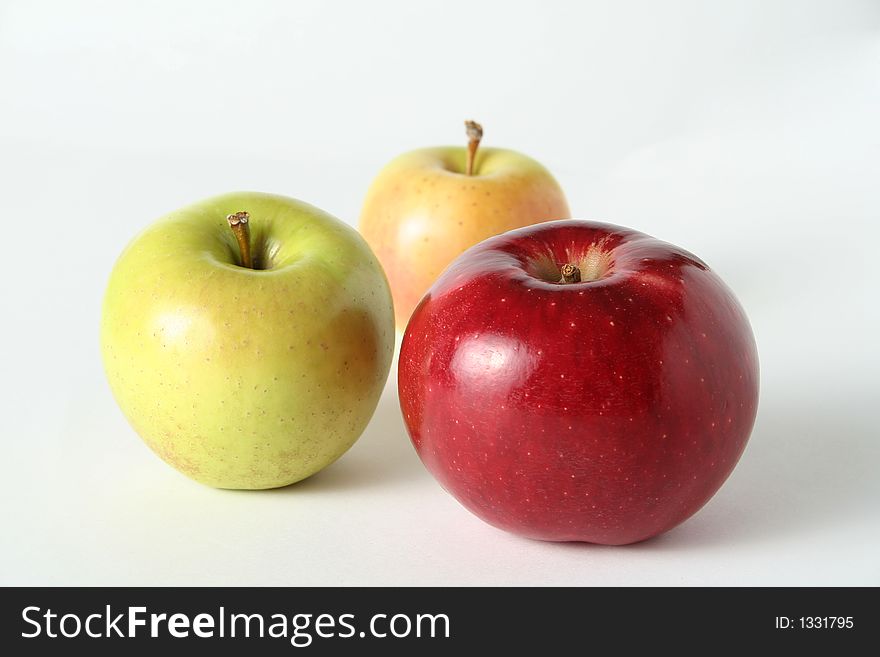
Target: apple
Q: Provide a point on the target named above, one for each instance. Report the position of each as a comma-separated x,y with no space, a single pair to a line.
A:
247,339
427,206
579,381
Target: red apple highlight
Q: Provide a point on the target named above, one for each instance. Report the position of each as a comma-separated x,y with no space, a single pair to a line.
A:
579,381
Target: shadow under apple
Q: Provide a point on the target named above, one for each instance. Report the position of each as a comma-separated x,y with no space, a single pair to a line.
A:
383,454
809,468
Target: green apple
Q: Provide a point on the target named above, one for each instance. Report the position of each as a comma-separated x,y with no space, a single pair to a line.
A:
248,376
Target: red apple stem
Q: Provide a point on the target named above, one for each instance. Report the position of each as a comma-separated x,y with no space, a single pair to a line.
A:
238,222
570,273
474,134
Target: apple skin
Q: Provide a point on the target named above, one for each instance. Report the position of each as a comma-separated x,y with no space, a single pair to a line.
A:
422,211
245,378
605,411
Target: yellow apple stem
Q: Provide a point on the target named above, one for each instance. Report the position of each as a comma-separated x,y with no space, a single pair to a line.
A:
238,221
570,274
474,134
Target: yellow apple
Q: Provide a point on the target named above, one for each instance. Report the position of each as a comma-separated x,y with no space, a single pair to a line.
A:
425,208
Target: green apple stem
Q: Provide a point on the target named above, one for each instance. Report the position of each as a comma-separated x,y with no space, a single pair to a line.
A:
238,221
570,274
474,134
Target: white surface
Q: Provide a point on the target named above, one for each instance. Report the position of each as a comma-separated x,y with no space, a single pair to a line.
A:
747,132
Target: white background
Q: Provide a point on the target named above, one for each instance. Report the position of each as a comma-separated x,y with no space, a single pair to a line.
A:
747,132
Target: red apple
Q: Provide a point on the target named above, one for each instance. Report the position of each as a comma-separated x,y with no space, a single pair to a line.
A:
579,381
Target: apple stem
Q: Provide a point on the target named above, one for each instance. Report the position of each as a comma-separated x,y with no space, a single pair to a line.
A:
238,221
570,274
474,134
